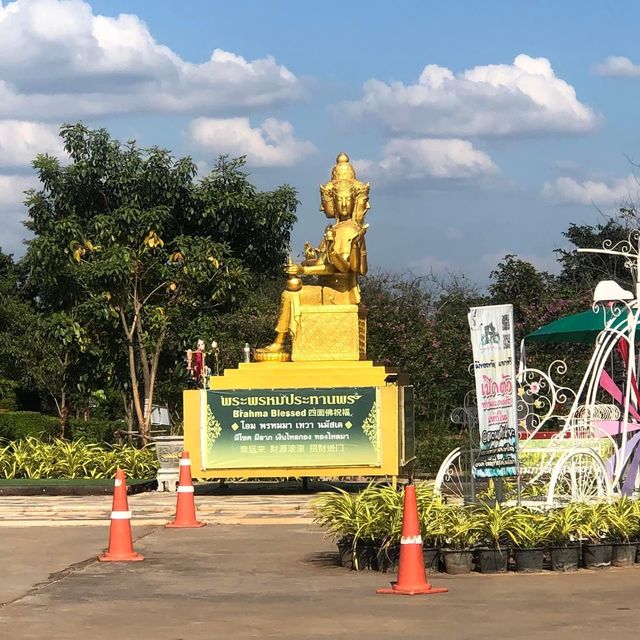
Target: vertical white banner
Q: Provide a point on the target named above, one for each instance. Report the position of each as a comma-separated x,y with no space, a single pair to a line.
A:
496,390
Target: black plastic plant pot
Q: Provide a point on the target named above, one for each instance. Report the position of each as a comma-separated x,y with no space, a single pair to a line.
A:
365,556
345,553
492,560
623,554
431,557
565,558
387,558
529,560
597,556
457,562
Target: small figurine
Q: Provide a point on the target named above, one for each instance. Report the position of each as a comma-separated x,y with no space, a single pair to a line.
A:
196,363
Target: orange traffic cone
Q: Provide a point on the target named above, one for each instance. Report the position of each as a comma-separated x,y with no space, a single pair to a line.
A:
412,575
120,540
186,507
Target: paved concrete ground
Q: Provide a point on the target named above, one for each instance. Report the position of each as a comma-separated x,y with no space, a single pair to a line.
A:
30,556
152,509
281,581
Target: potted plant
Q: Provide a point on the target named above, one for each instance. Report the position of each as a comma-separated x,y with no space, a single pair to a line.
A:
622,529
562,529
335,511
379,519
494,523
430,513
529,536
460,535
594,529
634,536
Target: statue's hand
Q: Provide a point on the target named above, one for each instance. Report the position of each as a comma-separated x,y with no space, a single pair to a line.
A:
293,269
329,234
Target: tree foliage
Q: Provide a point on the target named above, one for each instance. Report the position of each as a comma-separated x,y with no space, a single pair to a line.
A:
131,247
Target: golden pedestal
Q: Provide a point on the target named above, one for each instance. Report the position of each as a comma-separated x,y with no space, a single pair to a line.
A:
330,332
395,446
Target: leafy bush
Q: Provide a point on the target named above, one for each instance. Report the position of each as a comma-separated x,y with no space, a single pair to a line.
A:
15,425
94,430
7,393
433,444
371,515
35,459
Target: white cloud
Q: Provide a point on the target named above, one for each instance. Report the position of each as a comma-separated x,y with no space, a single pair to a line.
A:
598,192
432,264
617,67
525,98
272,144
21,141
12,211
427,159
12,190
452,233
59,60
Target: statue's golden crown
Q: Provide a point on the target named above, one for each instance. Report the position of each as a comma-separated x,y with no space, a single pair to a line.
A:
343,178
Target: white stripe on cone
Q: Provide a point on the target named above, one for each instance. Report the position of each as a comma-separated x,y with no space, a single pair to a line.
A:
121,515
411,540
185,489
185,462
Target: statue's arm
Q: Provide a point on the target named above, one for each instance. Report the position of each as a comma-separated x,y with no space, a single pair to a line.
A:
350,261
318,270
339,262
309,269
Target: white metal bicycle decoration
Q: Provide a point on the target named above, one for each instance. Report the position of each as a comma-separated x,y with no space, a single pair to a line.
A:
578,445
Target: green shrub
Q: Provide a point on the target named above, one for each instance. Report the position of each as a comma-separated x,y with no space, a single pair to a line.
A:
433,444
94,430
7,394
35,459
15,425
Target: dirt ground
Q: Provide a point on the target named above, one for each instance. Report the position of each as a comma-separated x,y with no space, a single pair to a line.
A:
279,581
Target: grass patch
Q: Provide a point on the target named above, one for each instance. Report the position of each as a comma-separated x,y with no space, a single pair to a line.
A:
67,482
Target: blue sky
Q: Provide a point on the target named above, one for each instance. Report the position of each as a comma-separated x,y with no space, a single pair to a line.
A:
484,128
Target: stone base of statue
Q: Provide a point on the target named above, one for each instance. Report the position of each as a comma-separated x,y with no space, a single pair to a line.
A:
315,418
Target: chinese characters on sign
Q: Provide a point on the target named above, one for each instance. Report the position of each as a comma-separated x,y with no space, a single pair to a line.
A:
495,375
255,428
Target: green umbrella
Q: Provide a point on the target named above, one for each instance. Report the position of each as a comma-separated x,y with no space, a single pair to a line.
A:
581,327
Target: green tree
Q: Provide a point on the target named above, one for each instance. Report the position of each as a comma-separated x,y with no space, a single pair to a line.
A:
17,320
581,272
420,325
130,242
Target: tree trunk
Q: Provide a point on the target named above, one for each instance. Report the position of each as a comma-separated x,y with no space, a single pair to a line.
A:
153,370
133,375
63,411
135,392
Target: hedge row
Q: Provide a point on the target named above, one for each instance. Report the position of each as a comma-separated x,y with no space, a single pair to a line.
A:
17,425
